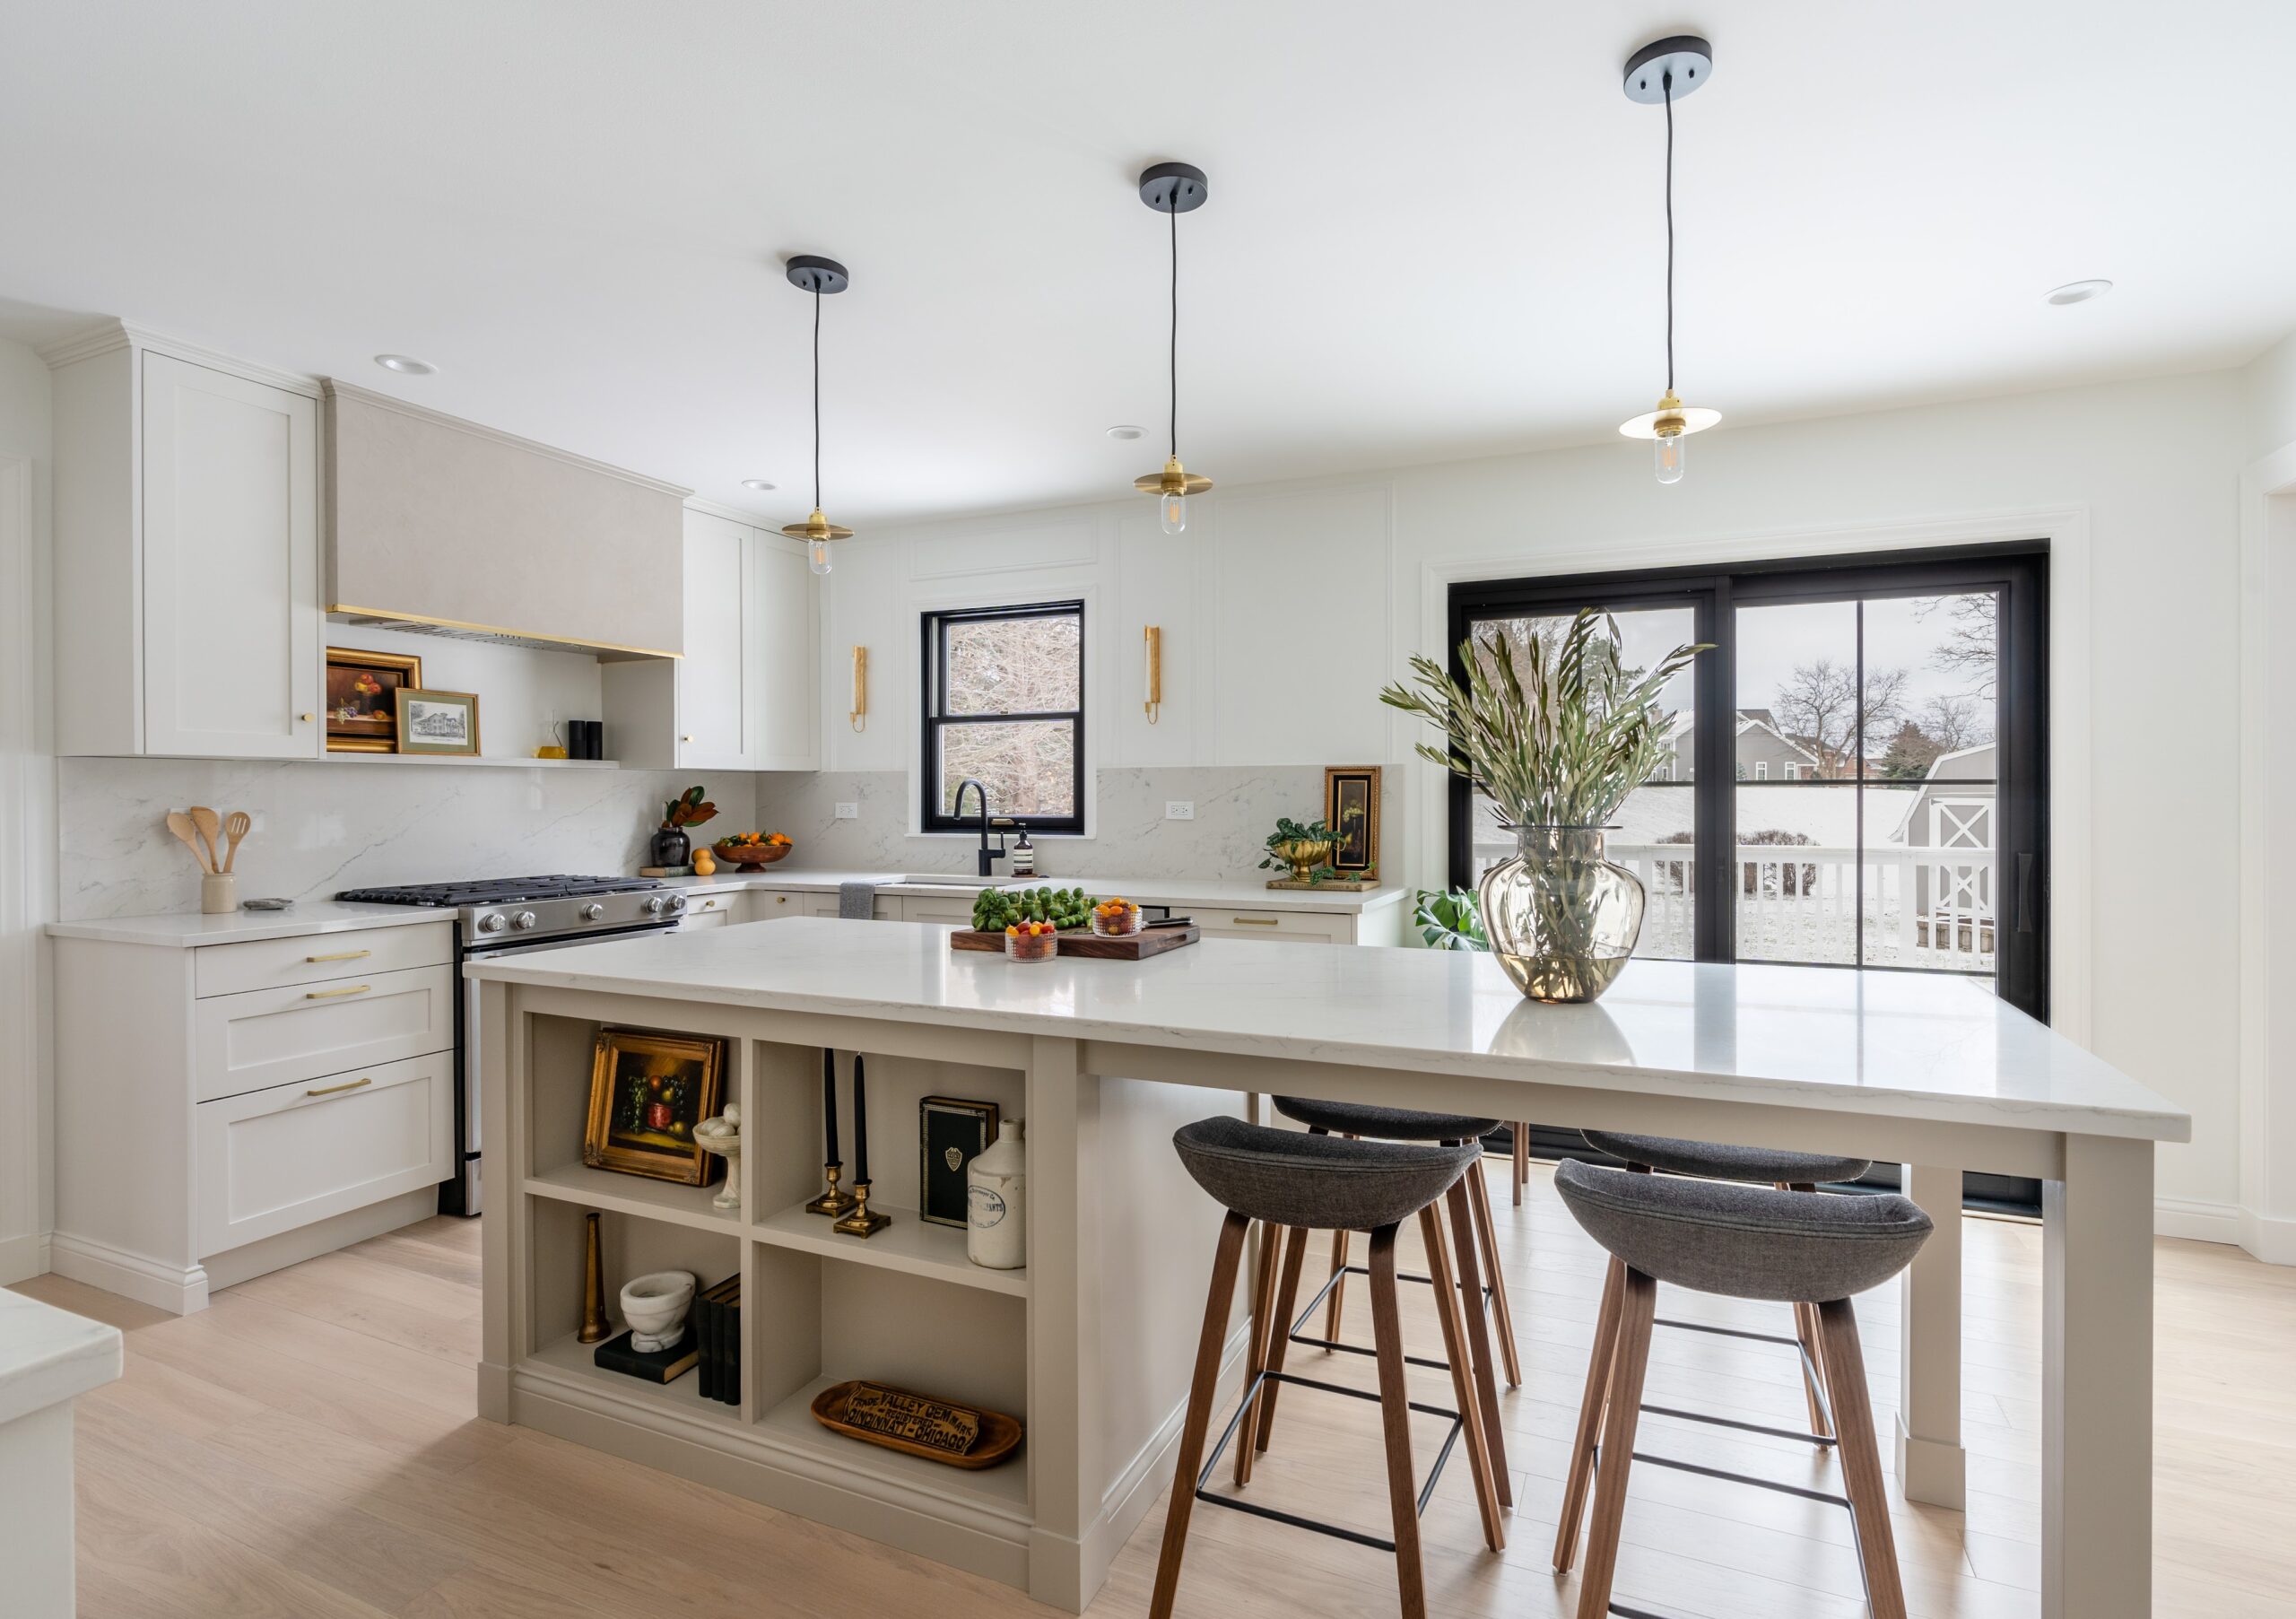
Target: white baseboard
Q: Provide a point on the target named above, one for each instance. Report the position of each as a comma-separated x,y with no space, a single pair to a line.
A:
2196,1220
146,1281
23,1257
2270,1240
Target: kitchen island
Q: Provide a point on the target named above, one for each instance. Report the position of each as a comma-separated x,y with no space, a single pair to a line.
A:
1090,1344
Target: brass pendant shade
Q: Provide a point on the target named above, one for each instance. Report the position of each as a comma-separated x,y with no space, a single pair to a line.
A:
816,528
1174,480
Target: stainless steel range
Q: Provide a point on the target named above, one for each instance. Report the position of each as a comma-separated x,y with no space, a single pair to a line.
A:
514,915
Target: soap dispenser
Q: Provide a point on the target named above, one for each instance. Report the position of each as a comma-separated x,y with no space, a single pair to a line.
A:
1024,855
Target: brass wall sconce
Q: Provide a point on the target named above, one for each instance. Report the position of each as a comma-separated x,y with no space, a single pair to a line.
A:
858,717
1152,688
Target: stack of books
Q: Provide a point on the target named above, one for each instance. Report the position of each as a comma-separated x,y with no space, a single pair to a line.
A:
717,1332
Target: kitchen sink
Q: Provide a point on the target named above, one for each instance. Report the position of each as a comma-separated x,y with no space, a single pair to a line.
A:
943,879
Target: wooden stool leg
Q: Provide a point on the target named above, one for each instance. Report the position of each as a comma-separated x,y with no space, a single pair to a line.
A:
1805,1329
1287,1299
1522,1135
1861,1459
1638,1304
1264,1332
1581,1473
1486,1228
1452,1320
1394,1412
1459,1200
1201,1389
1338,1287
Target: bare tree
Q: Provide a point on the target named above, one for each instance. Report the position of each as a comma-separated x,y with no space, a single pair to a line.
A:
1972,643
1819,706
1954,723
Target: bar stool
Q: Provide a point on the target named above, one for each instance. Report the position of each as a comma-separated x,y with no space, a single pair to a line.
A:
1472,1229
1744,1242
1294,1184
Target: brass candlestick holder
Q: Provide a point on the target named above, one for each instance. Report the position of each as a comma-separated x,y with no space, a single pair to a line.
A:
861,1223
832,1202
596,1325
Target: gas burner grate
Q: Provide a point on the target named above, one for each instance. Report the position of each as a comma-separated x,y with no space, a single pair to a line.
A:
494,890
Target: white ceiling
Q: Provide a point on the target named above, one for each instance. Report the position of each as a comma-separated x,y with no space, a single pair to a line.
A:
1434,230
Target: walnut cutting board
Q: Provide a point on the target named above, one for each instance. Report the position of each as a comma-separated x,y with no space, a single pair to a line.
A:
1134,947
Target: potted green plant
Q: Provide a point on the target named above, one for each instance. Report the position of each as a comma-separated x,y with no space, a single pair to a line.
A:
1303,847
1557,731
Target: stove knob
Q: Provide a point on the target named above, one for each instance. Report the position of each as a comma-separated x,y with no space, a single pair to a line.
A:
655,905
492,922
592,911
677,903
523,920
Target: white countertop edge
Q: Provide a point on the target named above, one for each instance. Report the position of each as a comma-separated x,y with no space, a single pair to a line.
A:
186,929
2163,1125
49,1355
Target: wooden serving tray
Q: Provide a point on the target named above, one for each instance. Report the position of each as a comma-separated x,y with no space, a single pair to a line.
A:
1130,947
1336,885
1000,1435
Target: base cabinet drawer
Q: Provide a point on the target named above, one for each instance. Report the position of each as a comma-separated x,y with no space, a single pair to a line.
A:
1289,926
920,907
274,1160
274,1037
704,918
764,904
276,963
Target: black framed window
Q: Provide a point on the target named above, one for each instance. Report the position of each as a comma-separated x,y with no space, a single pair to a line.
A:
1859,775
1004,705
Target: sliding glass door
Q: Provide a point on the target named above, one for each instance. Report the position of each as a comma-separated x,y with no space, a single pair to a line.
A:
1858,774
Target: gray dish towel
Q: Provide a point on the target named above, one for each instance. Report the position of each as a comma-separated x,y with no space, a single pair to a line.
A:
856,900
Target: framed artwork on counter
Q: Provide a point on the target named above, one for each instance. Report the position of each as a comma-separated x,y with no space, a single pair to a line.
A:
1352,810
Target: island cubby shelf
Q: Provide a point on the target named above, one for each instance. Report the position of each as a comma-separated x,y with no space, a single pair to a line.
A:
910,1244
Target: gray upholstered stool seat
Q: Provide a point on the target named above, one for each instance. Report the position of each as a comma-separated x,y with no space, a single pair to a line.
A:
1385,1124
1318,1182
1716,1163
1744,1241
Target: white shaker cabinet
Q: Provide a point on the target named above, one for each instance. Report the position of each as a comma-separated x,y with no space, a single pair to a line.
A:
187,554
742,697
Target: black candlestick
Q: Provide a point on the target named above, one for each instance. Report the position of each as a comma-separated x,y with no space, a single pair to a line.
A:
860,1124
835,1201
828,1106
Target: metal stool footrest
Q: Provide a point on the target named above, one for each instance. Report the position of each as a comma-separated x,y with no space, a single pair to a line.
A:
1337,1531
1809,1369
1312,1341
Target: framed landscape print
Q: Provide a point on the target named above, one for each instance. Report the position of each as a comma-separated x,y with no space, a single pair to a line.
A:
1352,810
647,1093
436,722
362,698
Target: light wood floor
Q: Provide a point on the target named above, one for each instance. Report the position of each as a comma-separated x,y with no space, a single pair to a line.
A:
306,1449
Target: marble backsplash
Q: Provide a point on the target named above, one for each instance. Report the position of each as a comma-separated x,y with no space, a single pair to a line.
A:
1235,809
321,826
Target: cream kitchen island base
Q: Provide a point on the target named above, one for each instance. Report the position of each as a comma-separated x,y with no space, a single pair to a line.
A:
1090,1344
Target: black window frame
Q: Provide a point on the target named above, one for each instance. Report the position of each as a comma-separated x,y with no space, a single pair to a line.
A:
2019,570
932,664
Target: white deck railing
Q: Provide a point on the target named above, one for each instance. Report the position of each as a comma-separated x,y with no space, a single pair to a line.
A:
1804,903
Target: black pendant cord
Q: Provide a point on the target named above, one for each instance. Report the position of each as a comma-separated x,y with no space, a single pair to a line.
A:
1174,215
817,391
1667,83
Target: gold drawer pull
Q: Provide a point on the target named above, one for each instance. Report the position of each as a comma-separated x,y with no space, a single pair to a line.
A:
339,955
1253,921
781,898
328,995
351,1086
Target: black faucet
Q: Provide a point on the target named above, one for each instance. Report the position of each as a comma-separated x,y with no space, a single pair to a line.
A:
988,856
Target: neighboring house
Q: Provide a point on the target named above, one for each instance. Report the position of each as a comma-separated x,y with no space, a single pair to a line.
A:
1765,752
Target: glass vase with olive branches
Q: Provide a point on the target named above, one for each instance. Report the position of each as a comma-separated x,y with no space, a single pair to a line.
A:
1557,733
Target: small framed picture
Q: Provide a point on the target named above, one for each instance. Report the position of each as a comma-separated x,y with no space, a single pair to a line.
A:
951,1133
646,1092
1352,810
436,722
362,698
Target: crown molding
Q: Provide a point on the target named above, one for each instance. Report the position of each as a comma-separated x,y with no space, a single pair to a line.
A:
334,388
114,334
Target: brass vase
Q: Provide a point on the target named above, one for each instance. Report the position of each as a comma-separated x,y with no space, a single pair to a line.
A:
1302,855
1561,920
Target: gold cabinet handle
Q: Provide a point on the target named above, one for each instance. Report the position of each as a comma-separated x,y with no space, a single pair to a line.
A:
328,995
1253,921
339,955
331,1090
781,898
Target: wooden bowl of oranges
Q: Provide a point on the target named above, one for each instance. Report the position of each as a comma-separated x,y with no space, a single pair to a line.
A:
751,849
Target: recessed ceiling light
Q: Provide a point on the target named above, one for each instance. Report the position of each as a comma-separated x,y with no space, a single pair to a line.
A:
406,365
1124,432
759,484
2080,291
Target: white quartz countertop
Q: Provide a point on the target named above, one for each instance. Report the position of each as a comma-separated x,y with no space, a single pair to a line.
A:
186,928
1934,1047
48,1355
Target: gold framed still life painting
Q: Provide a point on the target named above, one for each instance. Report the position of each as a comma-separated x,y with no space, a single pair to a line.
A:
362,691
646,1092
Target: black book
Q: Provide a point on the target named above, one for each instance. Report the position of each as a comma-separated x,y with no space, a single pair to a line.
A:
710,1326
729,1366
656,1366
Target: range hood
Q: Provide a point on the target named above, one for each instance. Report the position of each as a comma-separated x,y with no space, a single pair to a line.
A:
445,527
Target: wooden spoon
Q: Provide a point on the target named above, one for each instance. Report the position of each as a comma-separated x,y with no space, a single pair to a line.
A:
180,824
235,827
209,823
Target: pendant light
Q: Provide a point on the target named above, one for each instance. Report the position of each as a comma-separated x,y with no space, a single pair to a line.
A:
1661,74
818,276
1173,189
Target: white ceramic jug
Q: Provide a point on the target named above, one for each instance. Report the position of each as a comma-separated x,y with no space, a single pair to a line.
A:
996,1189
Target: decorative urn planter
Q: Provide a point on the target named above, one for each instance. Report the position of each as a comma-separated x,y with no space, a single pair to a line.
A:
1302,855
1561,920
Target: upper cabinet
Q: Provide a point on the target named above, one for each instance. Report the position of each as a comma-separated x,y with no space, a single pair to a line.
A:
186,524
744,697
